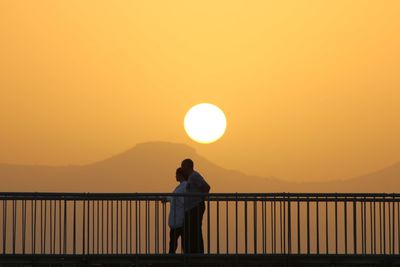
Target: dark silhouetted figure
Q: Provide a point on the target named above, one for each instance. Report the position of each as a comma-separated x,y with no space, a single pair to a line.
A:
177,213
194,208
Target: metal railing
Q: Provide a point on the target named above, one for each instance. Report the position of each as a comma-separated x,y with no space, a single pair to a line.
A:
238,223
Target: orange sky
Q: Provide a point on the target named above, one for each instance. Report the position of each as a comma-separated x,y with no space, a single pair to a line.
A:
311,89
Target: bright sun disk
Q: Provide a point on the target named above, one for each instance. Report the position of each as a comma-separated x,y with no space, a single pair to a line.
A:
205,123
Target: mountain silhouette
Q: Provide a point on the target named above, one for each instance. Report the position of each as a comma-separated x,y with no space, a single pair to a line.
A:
150,167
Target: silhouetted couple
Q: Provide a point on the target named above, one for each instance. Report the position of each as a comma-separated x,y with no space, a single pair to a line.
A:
186,213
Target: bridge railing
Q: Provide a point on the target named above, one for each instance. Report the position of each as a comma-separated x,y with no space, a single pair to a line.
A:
233,223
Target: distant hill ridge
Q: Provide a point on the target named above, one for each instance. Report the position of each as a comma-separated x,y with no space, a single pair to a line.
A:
150,167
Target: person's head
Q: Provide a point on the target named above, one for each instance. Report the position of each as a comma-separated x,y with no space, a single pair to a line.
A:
187,166
180,175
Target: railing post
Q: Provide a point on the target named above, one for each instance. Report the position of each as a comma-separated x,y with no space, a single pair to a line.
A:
355,225
245,225
208,226
255,225
336,224
317,222
227,226
326,225
236,222
298,226
289,225
308,226
345,226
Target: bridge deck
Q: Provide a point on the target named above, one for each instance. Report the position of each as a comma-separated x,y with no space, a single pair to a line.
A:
200,260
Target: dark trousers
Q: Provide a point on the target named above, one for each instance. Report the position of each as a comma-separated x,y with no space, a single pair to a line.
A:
174,235
192,229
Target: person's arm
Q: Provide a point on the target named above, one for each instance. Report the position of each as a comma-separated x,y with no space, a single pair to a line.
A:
201,184
205,187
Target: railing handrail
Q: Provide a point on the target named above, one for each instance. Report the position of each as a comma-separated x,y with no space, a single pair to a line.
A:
211,196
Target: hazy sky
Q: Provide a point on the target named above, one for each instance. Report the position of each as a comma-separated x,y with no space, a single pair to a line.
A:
311,89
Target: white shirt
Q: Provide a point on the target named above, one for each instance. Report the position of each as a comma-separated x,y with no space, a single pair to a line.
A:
177,209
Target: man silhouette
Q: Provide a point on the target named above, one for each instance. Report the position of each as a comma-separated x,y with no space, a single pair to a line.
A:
194,208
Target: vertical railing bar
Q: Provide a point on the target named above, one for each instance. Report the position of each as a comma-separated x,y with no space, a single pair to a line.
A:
280,227
52,227
33,226
120,228
326,226
289,225
65,227
112,227
14,231
227,226
245,225
4,226
62,237
23,226
88,226
127,215
116,227
41,226
236,222
164,227
371,228
273,223
139,227
56,224
354,225
317,223
74,229
374,229
57,227
362,225
365,225
208,227
102,226
83,228
148,226
136,227
266,226
217,226
263,225
107,226
384,225
308,226
345,226
255,226
389,229
93,202
336,225
156,226
380,228
393,227
284,226
45,226
98,226
298,227
130,226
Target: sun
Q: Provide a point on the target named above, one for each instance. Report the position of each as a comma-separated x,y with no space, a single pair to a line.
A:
205,123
